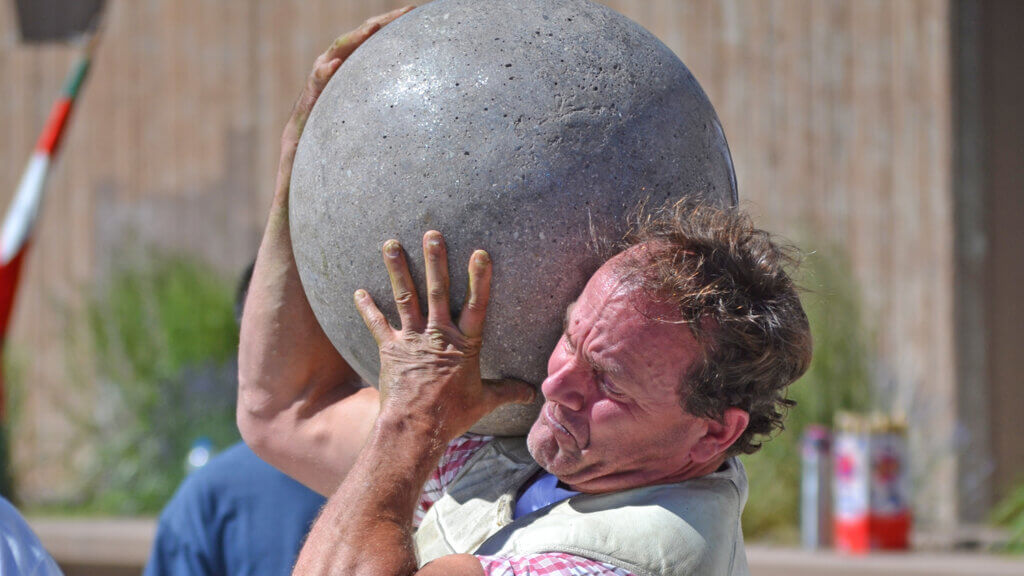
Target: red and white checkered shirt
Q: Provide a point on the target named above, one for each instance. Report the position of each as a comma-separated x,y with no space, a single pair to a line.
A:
549,564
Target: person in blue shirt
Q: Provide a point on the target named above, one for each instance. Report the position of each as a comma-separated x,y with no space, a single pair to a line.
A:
21,553
235,516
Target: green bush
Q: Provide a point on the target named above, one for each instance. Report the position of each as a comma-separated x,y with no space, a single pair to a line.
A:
14,397
163,340
1009,513
6,478
838,379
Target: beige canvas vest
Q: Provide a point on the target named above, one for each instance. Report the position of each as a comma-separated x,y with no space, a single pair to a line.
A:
690,528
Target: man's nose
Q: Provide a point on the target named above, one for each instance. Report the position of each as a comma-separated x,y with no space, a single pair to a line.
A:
567,386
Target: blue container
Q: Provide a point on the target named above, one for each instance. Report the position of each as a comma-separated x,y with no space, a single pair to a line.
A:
816,488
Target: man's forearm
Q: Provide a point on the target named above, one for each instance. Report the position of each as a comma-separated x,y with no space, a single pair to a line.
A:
366,526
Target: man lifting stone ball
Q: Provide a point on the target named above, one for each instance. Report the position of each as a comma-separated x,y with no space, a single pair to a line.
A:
674,359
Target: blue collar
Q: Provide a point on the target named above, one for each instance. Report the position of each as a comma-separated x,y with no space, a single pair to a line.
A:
543,491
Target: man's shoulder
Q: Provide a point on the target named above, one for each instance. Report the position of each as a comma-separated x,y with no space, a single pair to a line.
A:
705,511
695,524
727,486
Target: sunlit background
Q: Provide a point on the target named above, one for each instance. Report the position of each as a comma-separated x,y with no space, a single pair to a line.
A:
885,138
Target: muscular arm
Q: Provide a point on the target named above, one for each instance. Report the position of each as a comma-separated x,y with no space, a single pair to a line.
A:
301,407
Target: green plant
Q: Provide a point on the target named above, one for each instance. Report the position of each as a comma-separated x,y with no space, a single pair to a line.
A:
838,379
6,477
163,339
1009,513
13,371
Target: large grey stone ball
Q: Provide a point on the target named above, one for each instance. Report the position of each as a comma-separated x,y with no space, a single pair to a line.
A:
528,128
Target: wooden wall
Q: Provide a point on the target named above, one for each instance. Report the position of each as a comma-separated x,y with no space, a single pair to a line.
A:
837,113
1001,91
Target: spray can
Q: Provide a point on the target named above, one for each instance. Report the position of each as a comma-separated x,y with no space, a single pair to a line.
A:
816,488
890,498
852,483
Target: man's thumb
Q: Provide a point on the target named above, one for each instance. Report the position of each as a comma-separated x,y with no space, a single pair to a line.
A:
510,391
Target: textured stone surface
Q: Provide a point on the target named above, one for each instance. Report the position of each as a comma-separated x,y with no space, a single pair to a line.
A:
528,128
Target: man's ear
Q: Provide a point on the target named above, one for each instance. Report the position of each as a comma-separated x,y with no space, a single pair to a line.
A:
720,435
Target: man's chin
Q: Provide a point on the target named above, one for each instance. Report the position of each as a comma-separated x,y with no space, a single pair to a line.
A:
541,444
545,449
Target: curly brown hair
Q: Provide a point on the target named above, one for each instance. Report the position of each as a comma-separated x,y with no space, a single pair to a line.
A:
730,282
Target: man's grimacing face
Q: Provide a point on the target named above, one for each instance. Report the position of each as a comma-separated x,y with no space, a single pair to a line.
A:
612,419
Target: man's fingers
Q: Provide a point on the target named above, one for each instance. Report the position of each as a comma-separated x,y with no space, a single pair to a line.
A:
384,19
318,78
508,392
323,70
435,258
322,73
471,320
402,286
372,316
344,45
329,62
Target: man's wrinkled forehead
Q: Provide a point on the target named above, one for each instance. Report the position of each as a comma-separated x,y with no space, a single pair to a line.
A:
615,283
604,283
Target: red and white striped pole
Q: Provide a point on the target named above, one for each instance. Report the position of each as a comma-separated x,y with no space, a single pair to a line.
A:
19,222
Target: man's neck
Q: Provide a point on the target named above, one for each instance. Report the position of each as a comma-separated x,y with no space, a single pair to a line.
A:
639,479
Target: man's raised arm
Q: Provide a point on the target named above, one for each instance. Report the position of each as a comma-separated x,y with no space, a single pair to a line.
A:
301,407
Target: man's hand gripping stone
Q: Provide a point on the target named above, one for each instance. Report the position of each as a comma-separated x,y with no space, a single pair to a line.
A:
430,366
430,393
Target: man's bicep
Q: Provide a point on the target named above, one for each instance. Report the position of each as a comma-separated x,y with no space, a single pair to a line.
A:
453,565
318,445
